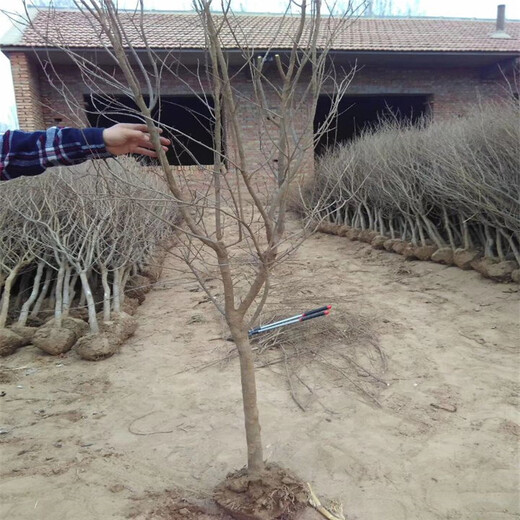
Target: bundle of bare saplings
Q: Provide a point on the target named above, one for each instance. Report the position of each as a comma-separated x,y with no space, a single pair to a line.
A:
75,245
445,191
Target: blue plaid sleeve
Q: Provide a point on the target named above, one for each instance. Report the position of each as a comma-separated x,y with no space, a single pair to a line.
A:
30,153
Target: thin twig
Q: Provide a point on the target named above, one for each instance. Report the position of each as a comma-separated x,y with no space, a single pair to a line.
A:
145,433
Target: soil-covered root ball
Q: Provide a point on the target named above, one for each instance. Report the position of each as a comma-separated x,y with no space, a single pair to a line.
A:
137,287
327,227
54,341
10,342
399,246
27,333
274,495
94,347
443,255
389,243
130,306
121,327
367,236
463,258
409,252
79,327
352,234
379,241
343,230
424,253
494,269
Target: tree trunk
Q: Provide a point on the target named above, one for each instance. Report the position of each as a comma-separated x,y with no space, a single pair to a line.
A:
391,226
466,240
370,218
58,308
43,294
24,313
512,245
500,249
106,293
72,288
432,232
22,289
255,459
82,300
66,291
447,227
381,223
488,242
92,319
124,280
115,286
8,284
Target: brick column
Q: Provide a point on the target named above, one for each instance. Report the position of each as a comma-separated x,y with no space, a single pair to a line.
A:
26,91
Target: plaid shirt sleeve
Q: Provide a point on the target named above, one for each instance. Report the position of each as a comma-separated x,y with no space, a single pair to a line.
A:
30,153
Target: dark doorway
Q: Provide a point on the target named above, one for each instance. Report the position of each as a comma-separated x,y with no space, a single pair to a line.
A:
190,119
356,113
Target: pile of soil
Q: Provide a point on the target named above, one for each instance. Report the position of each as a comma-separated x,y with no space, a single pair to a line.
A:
275,495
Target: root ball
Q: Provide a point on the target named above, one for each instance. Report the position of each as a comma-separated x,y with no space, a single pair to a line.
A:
54,341
95,347
379,241
424,253
121,327
75,325
444,255
499,271
276,494
9,342
463,258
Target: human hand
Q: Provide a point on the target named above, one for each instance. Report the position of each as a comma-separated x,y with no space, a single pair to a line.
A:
126,138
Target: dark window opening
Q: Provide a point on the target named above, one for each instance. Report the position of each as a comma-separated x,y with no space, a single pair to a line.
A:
357,113
190,119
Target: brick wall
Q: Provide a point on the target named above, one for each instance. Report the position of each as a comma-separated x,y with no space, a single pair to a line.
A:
27,90
453,91
59,93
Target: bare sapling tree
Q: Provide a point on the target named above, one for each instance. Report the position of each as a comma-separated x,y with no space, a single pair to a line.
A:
234,211
59,246
449,189
15,250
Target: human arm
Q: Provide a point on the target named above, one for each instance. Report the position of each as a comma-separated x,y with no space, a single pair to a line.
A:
30,153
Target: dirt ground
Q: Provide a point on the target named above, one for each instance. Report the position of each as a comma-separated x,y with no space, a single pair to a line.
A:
433,435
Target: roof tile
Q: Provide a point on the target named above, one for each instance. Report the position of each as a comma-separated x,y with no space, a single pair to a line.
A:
184,31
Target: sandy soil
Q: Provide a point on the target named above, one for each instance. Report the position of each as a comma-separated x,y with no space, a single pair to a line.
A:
88,441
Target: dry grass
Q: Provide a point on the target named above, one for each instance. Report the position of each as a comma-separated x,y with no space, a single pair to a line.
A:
342,349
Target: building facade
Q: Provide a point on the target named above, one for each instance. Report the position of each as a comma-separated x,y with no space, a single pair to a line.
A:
411,67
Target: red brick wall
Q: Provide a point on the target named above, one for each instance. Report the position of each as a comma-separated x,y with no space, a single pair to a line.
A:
452,91
27,91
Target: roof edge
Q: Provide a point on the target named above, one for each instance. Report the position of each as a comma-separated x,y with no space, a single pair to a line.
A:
241,13
502,53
